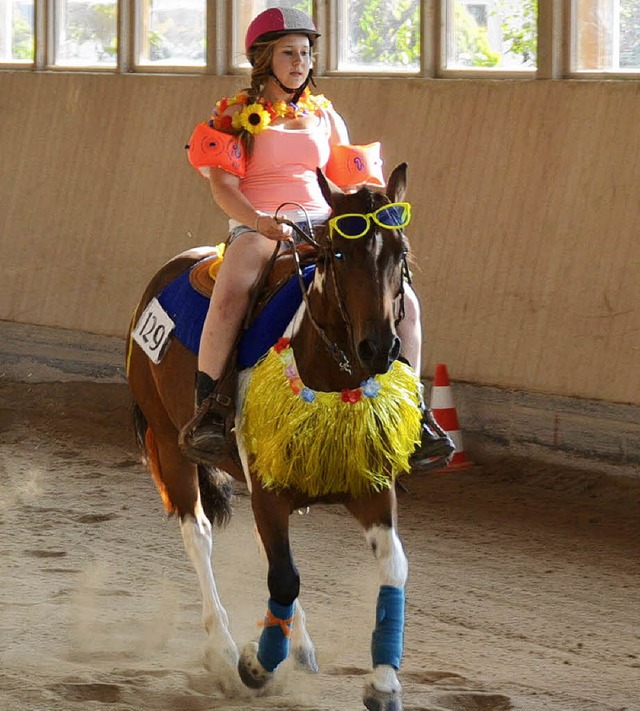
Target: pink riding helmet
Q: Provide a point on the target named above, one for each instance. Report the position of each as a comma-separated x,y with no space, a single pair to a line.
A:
280,21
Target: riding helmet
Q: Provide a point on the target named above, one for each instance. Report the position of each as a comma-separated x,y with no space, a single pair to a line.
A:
278,21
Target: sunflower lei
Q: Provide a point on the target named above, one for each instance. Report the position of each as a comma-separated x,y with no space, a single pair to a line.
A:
256,116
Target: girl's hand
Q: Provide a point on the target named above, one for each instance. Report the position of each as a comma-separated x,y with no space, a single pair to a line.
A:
271,228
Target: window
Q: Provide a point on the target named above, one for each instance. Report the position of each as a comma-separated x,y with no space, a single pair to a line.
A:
86,33
172,32
428,38
606,35
491,34
16,31
378,35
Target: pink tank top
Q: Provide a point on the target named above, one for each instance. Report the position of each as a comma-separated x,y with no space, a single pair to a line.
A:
283,166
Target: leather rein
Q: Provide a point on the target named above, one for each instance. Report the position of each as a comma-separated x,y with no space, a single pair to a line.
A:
336,352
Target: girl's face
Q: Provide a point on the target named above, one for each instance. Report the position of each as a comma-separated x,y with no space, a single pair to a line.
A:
291,60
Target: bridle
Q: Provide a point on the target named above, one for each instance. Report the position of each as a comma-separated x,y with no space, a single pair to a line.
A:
336,352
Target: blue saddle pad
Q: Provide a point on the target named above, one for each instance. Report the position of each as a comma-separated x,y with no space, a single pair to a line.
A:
188,308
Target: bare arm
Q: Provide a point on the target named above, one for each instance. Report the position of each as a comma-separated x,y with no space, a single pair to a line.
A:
225,188
339,131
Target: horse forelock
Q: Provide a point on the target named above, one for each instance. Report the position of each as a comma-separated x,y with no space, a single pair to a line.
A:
363,201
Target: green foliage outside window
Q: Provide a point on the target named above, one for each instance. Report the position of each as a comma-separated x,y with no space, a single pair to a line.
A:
471,41
22,44
384,33
520,29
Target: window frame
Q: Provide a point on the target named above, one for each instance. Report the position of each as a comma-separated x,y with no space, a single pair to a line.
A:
556,40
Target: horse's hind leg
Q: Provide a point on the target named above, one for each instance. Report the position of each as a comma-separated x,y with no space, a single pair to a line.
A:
177,480
377,516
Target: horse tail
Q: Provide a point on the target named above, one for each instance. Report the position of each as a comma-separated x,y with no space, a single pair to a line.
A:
139,426
215,494
215,486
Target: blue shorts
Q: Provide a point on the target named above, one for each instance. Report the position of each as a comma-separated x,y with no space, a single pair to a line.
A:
243,229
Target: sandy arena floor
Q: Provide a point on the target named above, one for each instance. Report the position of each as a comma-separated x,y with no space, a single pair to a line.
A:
524,581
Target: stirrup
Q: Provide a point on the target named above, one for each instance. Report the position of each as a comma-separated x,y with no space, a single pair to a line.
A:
204,438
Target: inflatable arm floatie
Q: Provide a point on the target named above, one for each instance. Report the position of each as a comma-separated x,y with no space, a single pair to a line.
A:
351,165
210,148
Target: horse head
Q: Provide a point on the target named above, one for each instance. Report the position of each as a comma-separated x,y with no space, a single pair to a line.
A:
361,268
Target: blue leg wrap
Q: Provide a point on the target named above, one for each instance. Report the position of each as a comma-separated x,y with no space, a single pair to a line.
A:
273,647
386,641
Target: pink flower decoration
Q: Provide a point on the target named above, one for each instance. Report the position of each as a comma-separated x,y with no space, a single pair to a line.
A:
290,371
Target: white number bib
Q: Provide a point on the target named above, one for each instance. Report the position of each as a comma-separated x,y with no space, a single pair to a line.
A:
153,331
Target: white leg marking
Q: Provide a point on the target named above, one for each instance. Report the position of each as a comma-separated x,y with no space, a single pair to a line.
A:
393,567
198,542
384,678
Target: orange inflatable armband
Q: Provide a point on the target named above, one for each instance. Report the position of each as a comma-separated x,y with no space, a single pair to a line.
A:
352,165
210,148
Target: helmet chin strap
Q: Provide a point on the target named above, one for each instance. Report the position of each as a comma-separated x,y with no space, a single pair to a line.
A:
297,93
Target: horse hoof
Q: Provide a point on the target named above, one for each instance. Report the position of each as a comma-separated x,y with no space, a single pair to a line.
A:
305,659
251,672
376,700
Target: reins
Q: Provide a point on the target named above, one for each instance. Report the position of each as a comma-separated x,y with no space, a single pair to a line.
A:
337,353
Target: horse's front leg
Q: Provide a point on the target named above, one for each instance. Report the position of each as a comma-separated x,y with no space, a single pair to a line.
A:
376,514
302,647
258,661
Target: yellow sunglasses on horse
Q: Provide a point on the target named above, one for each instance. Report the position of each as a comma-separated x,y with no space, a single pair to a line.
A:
394,216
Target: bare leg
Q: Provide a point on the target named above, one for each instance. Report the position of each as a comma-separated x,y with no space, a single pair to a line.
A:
243,262
204,438
410,330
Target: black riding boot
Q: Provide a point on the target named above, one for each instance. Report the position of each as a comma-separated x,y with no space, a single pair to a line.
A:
203,438
436,447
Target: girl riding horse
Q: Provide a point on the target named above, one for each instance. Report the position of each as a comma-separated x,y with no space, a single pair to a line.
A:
328,414
287,134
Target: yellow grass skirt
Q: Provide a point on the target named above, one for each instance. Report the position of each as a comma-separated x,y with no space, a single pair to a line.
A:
354,441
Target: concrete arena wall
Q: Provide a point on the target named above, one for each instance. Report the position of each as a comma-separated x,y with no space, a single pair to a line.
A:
524,192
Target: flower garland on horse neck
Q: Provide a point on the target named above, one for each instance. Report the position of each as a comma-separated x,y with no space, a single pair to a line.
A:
354,441
256,116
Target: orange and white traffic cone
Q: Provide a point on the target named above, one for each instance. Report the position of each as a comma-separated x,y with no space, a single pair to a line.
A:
445,414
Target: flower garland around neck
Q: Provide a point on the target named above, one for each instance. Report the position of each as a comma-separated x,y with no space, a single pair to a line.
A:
256,116
369,388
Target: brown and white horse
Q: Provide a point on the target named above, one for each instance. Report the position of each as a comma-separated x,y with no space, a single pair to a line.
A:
337,368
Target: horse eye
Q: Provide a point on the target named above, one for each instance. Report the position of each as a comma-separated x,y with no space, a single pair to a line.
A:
338,255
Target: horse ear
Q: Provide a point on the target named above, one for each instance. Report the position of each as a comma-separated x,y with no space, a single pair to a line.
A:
397,183
329,190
